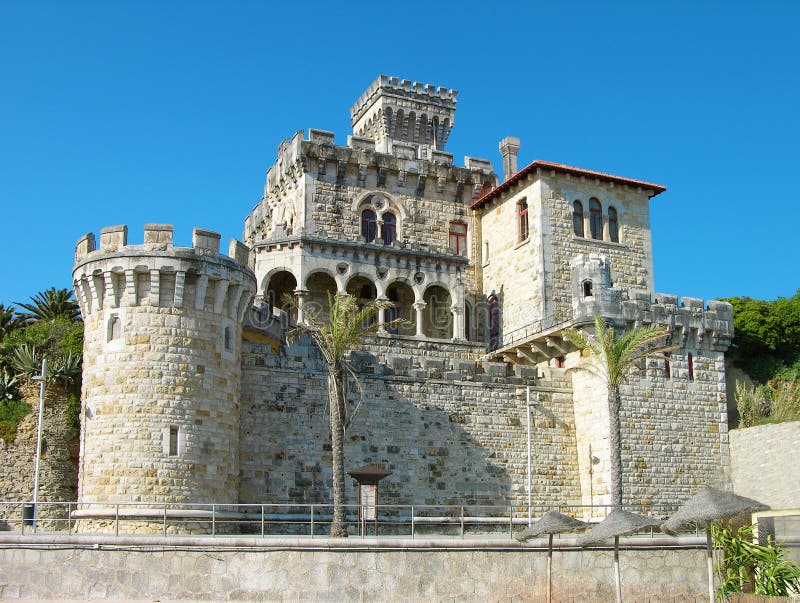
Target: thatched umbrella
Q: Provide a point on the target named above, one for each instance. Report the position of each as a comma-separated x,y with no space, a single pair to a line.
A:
618,523
702,510
551,523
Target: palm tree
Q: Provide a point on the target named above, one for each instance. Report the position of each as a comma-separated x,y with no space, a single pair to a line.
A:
9,320
614,357
335,334
50,304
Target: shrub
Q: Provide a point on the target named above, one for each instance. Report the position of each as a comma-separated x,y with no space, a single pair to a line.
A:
11,413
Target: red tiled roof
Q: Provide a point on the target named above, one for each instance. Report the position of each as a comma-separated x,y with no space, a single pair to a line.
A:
547,165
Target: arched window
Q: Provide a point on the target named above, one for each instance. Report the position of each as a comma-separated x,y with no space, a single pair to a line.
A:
114,328
369,225
613,226
595,219
494,323
389,228
577,218
522,219
587,288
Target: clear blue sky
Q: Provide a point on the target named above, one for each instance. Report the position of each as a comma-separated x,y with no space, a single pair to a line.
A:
135,112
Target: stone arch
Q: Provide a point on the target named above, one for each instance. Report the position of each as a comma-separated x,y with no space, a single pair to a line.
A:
278,285
318,284
362,287
437,318
401,294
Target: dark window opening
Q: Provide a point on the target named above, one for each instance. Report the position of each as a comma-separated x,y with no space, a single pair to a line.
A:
369,225
389,228
522,219
114,328
561,362
587,289
667,372
228,342
596,219
494,323
690,364
613,226
577,218
173,441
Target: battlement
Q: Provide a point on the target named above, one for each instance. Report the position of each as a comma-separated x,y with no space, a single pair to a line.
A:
158,237
392,85
692,321
158,274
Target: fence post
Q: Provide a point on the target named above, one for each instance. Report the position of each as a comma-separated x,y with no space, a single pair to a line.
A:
462,521
262,520
116,519
312,521
69,518
511,521
165,519
213,520
412,522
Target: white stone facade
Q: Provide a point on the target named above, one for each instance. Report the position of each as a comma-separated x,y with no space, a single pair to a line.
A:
484,278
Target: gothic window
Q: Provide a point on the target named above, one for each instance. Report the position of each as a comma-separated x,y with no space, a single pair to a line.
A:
369,225
690,364
458,238
389,228
613,226
577,218
522,220
494,323
587,288
596,219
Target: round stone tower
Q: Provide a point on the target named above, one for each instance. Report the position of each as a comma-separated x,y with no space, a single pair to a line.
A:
161,369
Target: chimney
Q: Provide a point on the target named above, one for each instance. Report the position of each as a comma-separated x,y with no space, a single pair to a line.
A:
509,147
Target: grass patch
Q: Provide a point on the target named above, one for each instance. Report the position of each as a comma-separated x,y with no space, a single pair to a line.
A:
11,413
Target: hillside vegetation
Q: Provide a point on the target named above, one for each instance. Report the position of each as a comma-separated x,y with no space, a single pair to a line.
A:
767,347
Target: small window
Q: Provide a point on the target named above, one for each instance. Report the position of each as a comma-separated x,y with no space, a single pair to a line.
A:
596,219
486,251
577,218
114,328
613,227
369,225
389,228
690,365
522,219
173,440
494,323
587,288
667,371
458,238
228,339
561,362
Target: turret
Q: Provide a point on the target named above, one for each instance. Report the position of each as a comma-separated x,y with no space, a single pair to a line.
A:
161,372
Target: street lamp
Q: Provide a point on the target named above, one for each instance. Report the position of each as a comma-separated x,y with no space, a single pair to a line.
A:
42,385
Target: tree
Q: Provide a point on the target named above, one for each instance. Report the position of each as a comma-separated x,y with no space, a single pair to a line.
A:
614,356
49,305
335,335
9,320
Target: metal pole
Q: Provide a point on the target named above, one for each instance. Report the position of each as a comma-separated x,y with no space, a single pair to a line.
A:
42,387
528,411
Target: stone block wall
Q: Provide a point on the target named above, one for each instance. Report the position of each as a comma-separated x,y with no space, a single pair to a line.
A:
449,432
763,462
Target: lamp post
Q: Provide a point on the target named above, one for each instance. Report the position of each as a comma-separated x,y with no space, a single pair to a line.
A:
42,385
528,413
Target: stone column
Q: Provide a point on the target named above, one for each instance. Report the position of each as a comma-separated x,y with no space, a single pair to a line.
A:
458,321
301,295
382,317
419,307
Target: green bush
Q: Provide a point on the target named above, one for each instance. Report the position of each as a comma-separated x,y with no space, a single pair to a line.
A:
11,413
74,411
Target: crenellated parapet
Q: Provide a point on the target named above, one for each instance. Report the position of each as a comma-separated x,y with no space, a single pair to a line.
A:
405,171
689,320
157,273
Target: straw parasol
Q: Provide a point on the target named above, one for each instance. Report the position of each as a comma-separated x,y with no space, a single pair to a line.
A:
702,510
618,523
551,523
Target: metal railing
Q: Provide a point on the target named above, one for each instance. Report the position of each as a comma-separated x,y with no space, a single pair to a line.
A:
288,519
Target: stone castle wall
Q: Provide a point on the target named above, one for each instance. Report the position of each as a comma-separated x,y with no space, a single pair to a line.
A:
160,417
448,434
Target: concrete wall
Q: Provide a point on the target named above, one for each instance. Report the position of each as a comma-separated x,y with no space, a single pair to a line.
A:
763,464
238,569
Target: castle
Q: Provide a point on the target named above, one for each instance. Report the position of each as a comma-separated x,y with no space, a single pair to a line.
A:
190,393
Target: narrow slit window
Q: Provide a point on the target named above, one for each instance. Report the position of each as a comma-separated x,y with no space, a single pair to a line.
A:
577,218
228,339
690,365
587,288
596,219
173,440
522,219
561,362
114,328
613,225
667,371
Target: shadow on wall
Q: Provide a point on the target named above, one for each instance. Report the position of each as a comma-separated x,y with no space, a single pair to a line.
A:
429,434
